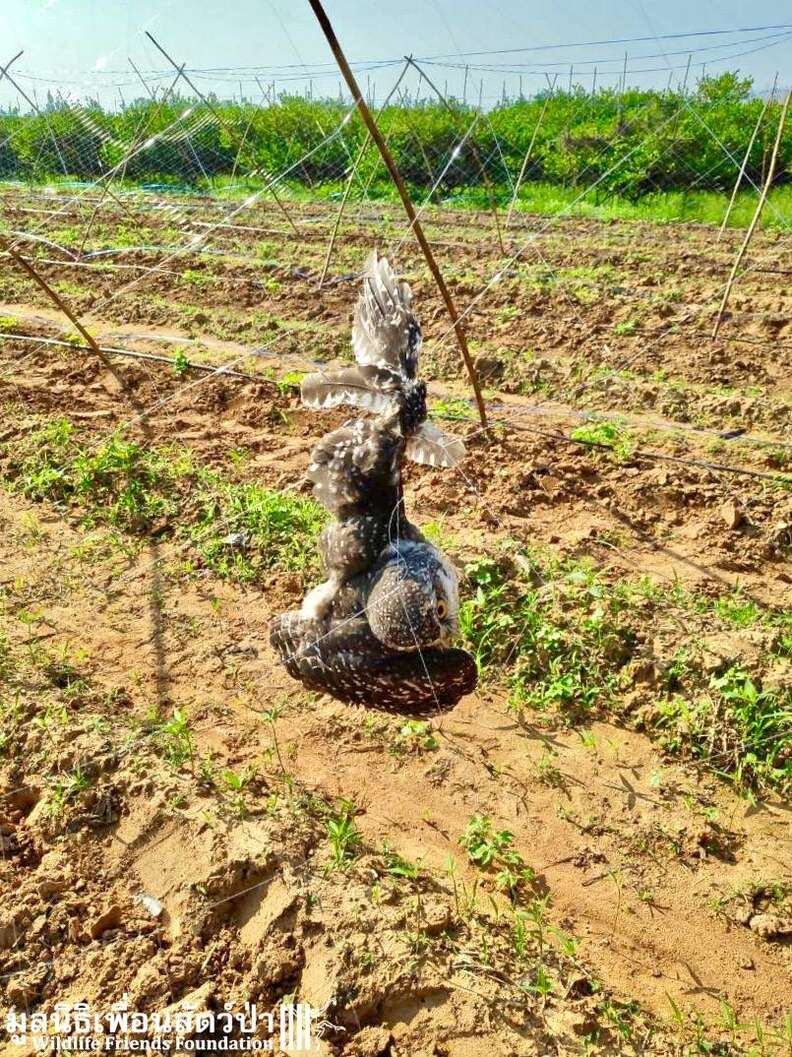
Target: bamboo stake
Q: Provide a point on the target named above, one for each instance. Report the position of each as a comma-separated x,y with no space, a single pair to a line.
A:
213,110
417,139
524,165
147,88
33,104
58,300
9,64
409,209
757,214
474,150
687,72
352,174
744,165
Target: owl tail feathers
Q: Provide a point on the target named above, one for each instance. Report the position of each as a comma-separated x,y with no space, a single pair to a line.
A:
431,446
367,386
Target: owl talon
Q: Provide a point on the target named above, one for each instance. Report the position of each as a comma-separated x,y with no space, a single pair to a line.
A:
316,604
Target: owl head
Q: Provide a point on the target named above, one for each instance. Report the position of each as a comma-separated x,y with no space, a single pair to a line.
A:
414,599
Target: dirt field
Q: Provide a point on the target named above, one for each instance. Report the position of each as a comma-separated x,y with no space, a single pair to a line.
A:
634,891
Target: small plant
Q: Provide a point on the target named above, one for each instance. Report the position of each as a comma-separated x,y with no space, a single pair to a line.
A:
66,789
343,835
744,731
416,734
235,782
193,277
289,383
397,866
625,328
606,435
489,848
548,771
181,363
243,528
174,738
454,409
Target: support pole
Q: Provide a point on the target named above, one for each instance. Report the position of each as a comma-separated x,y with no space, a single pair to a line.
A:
409,209
350,180
757,214
744,165
58,300
687,72
524,165
474,150
9,64
222,121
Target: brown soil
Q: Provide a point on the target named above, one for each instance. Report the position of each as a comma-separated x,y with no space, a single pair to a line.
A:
639,853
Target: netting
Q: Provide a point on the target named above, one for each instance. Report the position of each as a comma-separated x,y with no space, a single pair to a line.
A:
183,225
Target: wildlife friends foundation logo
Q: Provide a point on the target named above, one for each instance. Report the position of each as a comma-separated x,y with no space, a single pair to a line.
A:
293,1028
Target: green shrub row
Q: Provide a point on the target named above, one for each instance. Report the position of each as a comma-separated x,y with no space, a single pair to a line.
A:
633,143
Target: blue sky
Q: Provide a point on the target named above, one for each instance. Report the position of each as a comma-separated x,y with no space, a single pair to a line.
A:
84,46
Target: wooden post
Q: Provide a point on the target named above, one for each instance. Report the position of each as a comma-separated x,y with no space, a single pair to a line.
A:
474,150
409,209
219,117
58,300
745,160
757,214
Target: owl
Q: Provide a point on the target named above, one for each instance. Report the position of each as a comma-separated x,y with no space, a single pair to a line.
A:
378,630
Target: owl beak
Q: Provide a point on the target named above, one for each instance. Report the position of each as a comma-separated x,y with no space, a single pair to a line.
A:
447,631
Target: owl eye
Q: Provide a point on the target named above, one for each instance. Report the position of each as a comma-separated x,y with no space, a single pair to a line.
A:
442,610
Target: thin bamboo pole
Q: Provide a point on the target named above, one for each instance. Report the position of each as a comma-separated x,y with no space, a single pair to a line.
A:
9,64
58,300
474,150
744,165
757,214
409,209
418,140
213,110
352,174
524,165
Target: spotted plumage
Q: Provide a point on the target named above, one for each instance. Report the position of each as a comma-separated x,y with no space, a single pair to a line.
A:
378,631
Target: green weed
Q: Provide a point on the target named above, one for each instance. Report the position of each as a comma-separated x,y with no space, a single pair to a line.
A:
492,850
610,435
343,835
242,529
173,738
744,732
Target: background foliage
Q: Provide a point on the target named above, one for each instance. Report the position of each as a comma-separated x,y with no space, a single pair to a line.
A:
629,143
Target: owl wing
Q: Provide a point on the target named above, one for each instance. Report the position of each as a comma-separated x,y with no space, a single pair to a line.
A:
385,332
434,447
368,386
